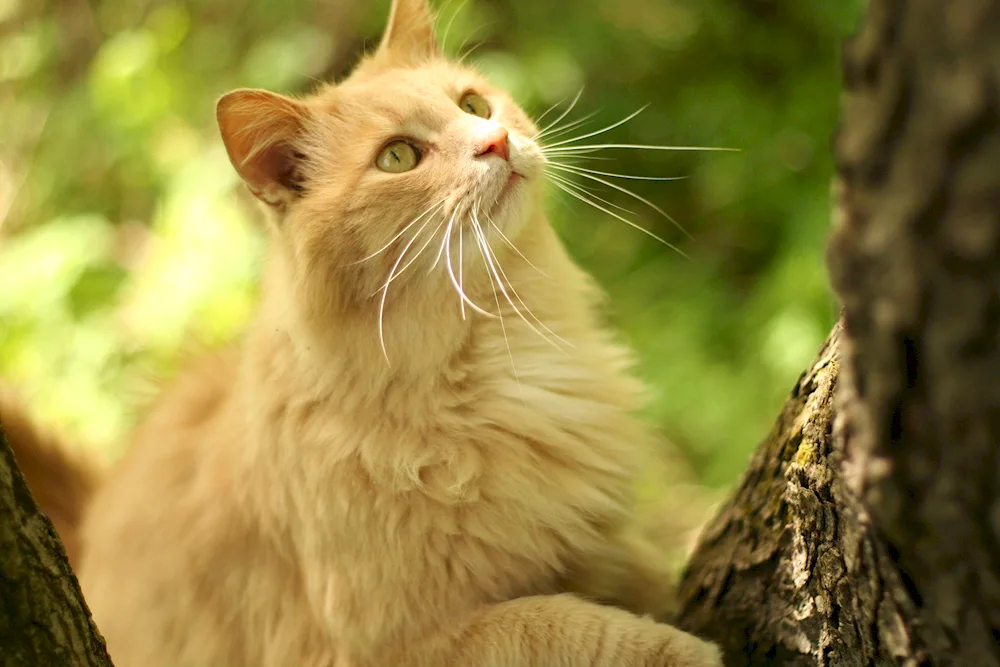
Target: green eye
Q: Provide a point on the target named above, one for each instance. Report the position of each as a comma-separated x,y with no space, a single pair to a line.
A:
476,105
397,157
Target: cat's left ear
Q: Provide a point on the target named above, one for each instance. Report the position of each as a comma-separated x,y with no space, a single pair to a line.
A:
410,33
261,131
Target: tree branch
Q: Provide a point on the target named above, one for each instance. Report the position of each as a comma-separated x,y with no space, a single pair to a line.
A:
790,572
44,621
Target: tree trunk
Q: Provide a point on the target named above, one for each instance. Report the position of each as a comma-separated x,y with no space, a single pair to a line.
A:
867,529
43,619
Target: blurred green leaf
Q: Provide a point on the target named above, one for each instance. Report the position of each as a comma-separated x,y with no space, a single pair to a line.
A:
95,288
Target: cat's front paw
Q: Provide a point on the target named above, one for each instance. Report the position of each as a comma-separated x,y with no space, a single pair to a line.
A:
681,649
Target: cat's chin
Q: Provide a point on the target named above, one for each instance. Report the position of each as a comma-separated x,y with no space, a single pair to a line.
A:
511,205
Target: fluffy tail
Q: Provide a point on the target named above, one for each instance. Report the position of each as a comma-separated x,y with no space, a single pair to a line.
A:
61,481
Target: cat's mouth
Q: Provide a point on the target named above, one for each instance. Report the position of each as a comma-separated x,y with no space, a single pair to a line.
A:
514,179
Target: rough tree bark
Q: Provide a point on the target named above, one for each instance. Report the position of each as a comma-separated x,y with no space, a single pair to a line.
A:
43,619
867,529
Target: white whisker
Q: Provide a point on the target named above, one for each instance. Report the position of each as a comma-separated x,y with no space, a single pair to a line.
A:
475,46
563,129
628,222
583,174
416,256
616,175
468,53
587,191
561,156
582,154
599,147
584,158
437,258
483,249
494,265
547,112
385,290
398,234
451,271
515,249
481,243
562,115
472,34
447,29
461,265
600,131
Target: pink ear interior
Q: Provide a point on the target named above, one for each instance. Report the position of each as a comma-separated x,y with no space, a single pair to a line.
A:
259,130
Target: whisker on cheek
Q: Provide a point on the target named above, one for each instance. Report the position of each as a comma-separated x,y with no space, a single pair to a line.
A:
515,248
586,174
588,191
494,266
416,256
461,266
579,193
399,234
483,249
451,272
437,259
394,273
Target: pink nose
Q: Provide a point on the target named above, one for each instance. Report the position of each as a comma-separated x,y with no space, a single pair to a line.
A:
495,142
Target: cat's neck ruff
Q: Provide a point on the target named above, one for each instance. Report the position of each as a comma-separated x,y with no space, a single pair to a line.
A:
428,342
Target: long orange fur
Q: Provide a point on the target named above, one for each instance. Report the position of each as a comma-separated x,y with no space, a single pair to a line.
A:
455,491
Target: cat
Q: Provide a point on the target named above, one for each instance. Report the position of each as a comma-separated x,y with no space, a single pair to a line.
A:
421,452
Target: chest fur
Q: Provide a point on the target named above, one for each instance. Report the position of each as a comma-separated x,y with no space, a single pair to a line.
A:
491,496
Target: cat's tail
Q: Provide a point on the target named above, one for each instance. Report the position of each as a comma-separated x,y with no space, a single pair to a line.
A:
61,480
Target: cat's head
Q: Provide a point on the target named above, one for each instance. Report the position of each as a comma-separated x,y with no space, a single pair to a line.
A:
363,175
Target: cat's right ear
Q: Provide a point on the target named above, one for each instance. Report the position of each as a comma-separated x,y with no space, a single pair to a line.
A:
260,130
409,35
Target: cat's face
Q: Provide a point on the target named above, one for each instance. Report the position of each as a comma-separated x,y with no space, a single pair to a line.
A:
388,168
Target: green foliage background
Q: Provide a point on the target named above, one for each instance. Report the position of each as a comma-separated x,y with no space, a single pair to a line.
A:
124,232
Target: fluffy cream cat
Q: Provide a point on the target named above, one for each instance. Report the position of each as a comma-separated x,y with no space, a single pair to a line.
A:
422,451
